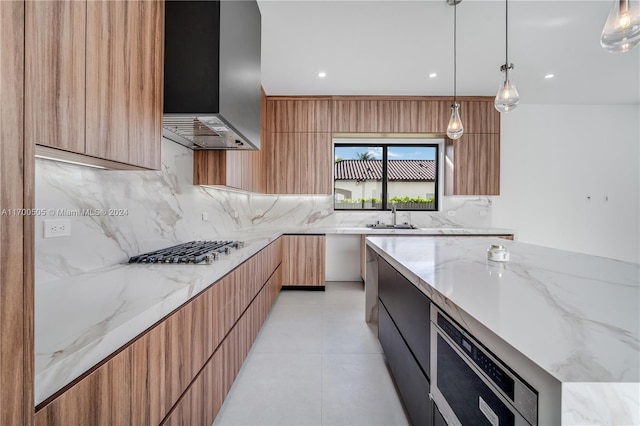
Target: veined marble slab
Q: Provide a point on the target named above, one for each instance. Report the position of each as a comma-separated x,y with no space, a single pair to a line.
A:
575,316
81,320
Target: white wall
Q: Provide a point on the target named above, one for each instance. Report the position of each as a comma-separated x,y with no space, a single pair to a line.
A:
555,156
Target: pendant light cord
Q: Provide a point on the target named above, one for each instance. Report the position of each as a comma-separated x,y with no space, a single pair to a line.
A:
455,56
506,33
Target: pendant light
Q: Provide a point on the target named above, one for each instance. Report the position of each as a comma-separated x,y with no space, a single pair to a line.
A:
507,98
455,128
622,30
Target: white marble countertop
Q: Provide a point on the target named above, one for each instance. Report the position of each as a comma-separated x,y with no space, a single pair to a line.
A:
576,316
81,320
444,231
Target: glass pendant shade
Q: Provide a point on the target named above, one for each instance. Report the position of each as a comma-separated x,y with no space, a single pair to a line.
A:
622,29
507,98
455,129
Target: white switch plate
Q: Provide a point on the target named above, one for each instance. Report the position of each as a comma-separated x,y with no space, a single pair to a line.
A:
54,228
205,216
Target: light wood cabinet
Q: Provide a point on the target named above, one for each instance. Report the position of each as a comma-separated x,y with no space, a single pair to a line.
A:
55,73
303,260
16,231
297,145
404,115
180,370
94,79
236,169
477,164
202,400
299,163
299,115
411,115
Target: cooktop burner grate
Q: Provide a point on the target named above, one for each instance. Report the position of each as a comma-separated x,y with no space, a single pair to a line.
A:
194,252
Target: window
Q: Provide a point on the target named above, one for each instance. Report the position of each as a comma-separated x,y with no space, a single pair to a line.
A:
375,176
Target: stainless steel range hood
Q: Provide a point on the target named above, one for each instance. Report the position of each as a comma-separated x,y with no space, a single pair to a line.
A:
212,74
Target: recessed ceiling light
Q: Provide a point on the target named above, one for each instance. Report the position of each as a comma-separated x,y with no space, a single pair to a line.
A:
322,74
548,76
433,75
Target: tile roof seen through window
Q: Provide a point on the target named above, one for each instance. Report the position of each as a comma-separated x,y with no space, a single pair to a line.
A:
403,170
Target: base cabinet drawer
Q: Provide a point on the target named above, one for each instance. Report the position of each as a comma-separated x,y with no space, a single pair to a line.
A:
410,310
411,381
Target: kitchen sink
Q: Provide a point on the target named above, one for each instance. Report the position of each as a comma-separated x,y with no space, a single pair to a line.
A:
387,226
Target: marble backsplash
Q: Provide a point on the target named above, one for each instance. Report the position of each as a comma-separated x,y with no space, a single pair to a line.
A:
152,210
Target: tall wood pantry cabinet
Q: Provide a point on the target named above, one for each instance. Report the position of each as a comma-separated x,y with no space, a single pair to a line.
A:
16,231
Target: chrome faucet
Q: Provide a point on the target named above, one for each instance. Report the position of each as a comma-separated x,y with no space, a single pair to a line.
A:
393,214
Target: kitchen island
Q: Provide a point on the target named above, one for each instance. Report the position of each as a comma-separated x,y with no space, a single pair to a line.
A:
570,317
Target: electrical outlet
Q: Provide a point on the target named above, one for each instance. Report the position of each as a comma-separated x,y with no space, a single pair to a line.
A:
451,212
57,228
236,214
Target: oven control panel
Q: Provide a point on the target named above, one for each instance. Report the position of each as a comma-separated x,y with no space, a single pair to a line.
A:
493,371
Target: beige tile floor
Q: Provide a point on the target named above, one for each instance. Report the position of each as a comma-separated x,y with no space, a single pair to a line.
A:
315,362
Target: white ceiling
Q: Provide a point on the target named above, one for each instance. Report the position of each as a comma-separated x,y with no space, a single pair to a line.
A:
390,47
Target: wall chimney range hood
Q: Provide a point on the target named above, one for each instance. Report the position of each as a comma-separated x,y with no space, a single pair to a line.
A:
212,74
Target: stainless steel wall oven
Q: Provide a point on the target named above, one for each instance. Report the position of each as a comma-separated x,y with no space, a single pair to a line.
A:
471,386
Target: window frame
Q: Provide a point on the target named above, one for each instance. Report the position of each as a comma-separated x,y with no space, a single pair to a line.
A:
385,147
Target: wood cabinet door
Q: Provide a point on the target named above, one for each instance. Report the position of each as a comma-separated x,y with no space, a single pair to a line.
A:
101,398
125,48
479,117
358,116
55,74
433,116
477,164
283,172
299,163
303,260
299,115
316,164
16,267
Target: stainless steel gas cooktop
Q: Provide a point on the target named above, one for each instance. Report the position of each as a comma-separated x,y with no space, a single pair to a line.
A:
194,252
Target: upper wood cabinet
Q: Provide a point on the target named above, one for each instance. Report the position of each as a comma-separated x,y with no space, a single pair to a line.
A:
235,169
55,73
477,164
299,115
477,117
94,78
299,163
125,45
411,115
